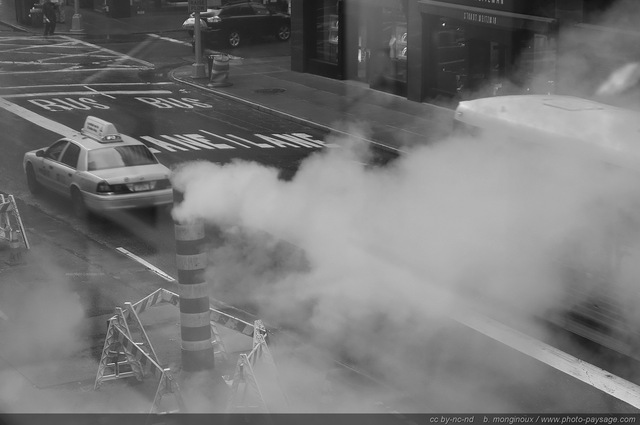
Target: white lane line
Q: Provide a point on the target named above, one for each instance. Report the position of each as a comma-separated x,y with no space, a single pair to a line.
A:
120,56
145,263
586,372
79,70
188,43
100,92
49,86
87,93
169,39
39,120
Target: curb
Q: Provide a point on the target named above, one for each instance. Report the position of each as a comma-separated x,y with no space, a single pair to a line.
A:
276,112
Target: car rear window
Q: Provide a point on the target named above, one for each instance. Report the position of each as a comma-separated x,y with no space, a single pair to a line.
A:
120,156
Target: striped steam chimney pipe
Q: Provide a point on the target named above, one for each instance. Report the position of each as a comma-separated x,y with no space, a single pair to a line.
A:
195,329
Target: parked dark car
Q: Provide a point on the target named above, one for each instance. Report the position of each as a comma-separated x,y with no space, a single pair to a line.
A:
235,22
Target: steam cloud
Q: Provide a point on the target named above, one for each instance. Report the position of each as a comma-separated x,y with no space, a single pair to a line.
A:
386,254
372,263
602,63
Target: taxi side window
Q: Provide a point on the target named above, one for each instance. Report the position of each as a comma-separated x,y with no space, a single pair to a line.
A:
71,155
54,151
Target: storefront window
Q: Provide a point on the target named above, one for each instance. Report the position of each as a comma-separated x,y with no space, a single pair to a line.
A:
451,58
389,55
327,26
396,22
472,61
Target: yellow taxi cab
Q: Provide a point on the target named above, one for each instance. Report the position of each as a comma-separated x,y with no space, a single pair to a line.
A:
99,170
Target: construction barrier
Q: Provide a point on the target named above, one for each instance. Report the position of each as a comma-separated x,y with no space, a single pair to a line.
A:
11,228
219,71
252,371
122,358
161,296
125,356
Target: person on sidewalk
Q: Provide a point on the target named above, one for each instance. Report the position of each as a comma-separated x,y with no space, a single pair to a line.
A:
49,16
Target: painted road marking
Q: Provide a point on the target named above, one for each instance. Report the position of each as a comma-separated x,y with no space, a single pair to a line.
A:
67,70
145,263
37,119
592,375
100,92
49,86
87,92
121,56
169,39
61,53
195,140
190,43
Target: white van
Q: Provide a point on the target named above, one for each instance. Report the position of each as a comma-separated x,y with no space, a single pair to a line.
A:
607,313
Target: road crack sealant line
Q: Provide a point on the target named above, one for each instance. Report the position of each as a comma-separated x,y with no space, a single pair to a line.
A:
286,115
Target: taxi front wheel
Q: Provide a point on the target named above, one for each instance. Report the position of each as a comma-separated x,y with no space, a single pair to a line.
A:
79,207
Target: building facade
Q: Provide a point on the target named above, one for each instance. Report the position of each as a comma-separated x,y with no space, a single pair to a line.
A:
431,50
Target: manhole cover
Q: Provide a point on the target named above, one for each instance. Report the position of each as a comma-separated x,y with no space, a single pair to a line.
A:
269,91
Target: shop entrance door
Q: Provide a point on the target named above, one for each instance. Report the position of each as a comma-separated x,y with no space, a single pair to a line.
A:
377,45
487,65
364,48
470,60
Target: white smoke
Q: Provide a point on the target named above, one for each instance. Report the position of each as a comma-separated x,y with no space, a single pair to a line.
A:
46,343
620,80
387,254
599,59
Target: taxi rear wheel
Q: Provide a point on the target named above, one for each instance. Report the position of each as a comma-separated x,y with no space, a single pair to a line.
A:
32,181
79,207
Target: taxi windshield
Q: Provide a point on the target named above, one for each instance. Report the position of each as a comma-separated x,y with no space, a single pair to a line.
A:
120,156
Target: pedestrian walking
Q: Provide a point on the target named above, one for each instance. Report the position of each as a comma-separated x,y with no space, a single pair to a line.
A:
49,16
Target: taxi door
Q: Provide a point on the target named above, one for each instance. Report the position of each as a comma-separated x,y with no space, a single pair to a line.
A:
65,170
46,165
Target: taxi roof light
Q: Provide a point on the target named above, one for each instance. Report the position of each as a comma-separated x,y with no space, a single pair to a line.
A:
101,130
